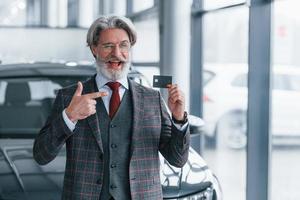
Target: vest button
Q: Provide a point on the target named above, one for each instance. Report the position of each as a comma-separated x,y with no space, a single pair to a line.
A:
113,146
99,181
113,186
113,165
113,126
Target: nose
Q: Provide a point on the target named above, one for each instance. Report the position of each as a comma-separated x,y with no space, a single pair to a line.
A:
116,51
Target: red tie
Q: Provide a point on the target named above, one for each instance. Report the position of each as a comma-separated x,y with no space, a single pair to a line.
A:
115,98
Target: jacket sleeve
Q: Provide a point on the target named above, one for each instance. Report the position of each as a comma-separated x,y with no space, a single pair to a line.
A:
53,135
174,144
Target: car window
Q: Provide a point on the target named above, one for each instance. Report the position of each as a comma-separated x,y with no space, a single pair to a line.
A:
38,89
207,76
294,83
3,85
25,103
280,82
240,80
286,82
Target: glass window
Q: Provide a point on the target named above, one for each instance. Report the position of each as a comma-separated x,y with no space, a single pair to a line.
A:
13,12
139,5
147,47
148,73
285,111
240,80
54,13
34,44
211,4
224,106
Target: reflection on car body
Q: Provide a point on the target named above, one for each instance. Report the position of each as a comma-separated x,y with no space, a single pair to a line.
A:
27,92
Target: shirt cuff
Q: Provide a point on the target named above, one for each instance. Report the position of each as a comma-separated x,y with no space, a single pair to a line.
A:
71,125
181,127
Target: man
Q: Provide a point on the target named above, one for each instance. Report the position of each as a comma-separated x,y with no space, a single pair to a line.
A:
114,128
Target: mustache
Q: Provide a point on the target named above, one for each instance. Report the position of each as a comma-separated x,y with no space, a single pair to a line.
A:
114,59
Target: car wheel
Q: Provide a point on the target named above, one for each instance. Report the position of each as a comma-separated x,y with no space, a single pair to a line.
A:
231,130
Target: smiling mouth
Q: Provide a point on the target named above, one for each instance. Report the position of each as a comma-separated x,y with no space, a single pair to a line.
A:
115,64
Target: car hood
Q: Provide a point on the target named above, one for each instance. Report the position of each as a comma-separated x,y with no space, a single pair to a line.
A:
22,178
194,177
4,143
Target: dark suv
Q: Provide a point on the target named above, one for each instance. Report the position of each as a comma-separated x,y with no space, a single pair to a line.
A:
27,92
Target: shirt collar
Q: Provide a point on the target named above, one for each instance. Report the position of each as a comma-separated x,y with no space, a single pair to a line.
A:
102,80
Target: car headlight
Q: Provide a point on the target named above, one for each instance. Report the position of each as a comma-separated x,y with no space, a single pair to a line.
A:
203,195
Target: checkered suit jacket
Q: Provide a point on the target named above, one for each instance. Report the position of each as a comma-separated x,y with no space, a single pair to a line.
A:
152,132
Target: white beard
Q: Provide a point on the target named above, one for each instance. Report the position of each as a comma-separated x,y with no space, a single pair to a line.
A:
112,74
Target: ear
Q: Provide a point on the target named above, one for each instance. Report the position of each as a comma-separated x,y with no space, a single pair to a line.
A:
94,50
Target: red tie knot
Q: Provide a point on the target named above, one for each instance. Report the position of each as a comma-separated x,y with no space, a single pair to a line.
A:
113,85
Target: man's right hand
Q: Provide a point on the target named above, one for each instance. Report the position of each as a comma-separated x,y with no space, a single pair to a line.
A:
82,106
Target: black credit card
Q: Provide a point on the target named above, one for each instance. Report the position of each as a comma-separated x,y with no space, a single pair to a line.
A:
161,81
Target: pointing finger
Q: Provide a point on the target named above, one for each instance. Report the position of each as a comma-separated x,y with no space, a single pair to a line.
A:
95,95
79,89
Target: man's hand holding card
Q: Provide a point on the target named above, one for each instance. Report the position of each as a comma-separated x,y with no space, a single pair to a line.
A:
176,100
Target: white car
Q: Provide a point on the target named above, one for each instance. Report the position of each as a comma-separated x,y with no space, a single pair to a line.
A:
225,105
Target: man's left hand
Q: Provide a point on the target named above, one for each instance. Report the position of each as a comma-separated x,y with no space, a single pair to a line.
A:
176,102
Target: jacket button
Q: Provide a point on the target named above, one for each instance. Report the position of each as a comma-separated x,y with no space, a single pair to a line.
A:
101,156
99,181
113,146
113,187
113,165
113,126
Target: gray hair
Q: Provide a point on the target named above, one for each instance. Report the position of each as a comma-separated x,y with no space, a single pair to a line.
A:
107,22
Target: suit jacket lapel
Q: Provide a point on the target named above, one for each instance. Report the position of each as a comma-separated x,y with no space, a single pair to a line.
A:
93,121
138,111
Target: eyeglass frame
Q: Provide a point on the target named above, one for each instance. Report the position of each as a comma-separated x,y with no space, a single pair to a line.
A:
109,46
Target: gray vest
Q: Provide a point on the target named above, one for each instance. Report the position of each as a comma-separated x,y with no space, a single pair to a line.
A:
116,137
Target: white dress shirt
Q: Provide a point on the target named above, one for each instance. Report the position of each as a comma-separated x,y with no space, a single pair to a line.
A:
102,87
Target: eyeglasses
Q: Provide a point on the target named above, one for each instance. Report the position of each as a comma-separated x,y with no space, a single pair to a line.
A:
109,47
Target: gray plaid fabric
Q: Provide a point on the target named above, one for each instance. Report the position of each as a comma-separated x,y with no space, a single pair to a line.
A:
152,132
